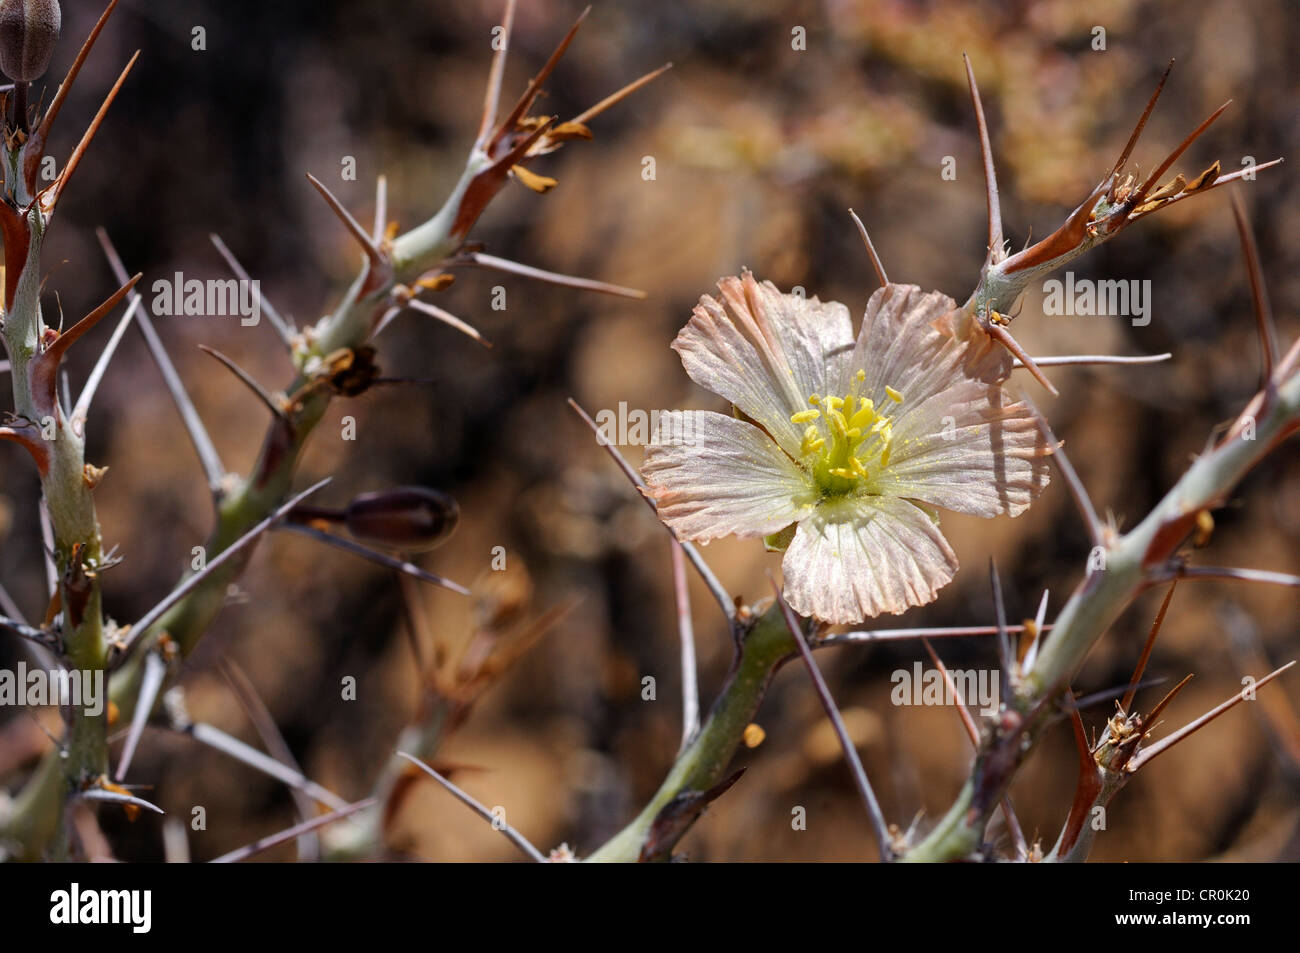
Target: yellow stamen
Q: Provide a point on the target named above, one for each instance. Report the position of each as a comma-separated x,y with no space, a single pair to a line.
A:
894,395
804,416
861,376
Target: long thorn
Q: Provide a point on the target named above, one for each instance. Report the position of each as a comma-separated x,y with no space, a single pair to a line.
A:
264,724
372,250
492,98
87,395
42,637
1258,291
1127,702
511,834
692,553
1004,639
283,327
274,840
1152,718
180,592
613,99
1141,123
59,347
117,797
446,317
74,160
876,263
1164,744
686,632
972,732
247,380
65,87
996,252
381,209
1241,575
1136,198
874,812
1065,360
899,635
261,762
535,84
1080,495
155,670
1002,335
550,277
1217,183
375,556
198,434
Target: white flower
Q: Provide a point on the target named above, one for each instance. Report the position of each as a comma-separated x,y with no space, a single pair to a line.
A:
845,442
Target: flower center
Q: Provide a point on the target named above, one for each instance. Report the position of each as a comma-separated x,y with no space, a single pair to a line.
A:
847,440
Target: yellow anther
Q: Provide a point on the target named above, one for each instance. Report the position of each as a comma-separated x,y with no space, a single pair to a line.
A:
894,395
834,403
884,455
815,399
804,416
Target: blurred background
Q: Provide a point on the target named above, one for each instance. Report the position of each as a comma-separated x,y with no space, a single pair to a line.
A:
758,151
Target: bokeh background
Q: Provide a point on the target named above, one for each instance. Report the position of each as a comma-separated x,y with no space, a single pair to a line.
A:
759,150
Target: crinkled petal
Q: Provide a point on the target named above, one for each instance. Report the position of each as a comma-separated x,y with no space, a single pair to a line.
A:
860,558
960,440
711,475
766,352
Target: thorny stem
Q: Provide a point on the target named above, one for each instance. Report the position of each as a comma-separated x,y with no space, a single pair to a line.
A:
703,764
1133,562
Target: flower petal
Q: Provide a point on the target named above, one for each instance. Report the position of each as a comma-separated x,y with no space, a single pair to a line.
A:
863,557
961,441
766,352
711,475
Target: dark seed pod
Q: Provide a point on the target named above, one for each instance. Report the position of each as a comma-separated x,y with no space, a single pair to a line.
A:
28,31
408,518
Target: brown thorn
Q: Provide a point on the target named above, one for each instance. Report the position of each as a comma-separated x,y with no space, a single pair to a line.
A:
1000,333
996,252
1258,291
1141,123
1134,200
75,159
492,97
37,141
972,731
615,98
247,380
1150,720
535,84
1126,704
1164,744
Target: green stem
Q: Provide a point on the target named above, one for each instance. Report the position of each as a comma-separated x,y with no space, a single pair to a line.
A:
703,763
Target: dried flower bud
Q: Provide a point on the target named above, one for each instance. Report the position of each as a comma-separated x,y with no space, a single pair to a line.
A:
411,518
28,31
